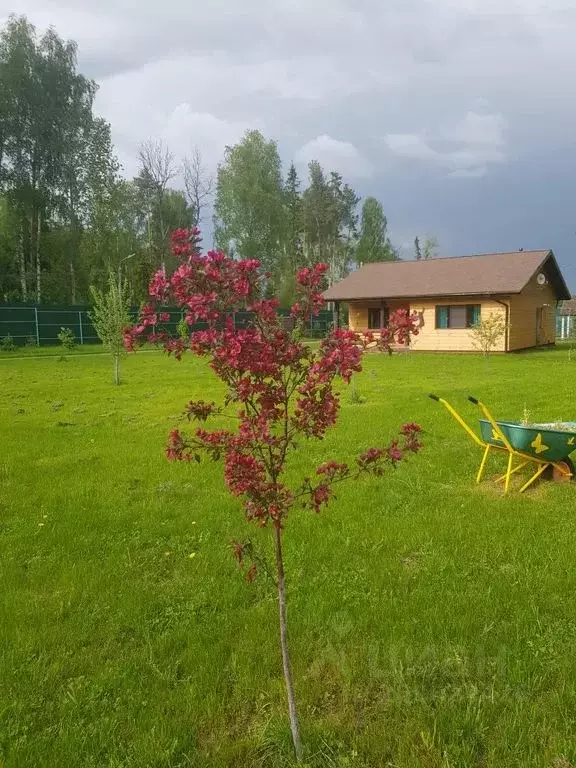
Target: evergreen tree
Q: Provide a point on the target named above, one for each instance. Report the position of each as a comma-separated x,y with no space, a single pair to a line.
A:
417,249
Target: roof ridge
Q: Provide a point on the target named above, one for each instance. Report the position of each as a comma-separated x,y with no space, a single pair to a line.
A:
453,258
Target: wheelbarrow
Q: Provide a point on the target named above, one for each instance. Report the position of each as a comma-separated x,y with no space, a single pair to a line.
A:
540,447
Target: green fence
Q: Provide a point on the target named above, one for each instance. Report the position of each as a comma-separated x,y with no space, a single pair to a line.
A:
39,325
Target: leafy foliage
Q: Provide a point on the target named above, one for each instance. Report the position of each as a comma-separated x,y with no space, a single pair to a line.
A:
374,243
249,200
488,333
428,250
67,216
7,344
110,317
67,339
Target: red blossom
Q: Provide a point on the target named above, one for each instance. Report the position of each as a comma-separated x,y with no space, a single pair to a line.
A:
394,452
175,450
184,242
199,410
370,457
175,346
279,389
319,496
158,287
309,281
333,470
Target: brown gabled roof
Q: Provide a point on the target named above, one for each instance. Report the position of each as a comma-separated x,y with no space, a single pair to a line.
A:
568,307
487,274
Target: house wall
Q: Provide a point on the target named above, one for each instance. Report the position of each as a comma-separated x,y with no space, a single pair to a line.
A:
523,316
429,337
451,339
358,312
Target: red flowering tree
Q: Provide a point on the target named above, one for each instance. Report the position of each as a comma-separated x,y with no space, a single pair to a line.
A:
279,389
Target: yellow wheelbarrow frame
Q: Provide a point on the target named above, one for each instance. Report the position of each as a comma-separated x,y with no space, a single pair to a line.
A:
526,459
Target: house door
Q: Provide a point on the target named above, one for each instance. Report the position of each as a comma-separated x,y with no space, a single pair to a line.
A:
539,328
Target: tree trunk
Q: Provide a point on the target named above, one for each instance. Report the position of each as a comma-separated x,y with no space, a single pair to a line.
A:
38,266
72,282
294,725
116,369
22,262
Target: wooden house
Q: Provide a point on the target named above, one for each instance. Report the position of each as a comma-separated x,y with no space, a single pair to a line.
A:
450,295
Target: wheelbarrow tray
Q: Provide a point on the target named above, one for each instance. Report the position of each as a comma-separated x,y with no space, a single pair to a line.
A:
548,442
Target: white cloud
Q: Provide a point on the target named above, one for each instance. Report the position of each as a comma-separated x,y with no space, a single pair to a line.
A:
334,155
464,149
184,128
478,129
410,145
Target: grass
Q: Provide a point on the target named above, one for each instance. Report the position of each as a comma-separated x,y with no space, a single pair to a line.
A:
52,351
432,622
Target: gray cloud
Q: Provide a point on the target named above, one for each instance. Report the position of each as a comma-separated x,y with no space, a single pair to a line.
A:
340,156
465,149
456,113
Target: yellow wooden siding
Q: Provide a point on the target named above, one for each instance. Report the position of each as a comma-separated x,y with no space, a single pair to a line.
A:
431,338
358,312
450,339
357,317
523,316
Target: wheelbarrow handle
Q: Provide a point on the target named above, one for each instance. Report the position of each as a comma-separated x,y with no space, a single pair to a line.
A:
493,423
466,427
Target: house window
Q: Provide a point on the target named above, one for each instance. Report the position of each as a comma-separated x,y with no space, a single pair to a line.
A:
457,315
374,319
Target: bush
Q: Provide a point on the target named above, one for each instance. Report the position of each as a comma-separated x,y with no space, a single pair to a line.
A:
488,333
7,344
31,341
183,330
67,339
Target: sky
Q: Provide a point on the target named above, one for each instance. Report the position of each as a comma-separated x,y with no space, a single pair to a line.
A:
456,114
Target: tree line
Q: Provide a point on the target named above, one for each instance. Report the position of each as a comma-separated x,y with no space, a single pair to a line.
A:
68,216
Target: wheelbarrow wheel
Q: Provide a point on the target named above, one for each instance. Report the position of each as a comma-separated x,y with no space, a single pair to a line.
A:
561,477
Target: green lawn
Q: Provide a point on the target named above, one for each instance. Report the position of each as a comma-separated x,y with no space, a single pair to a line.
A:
432,622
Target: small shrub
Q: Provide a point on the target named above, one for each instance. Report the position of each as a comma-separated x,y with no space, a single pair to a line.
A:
355,397
7,344
110,317
183,329
31,341
487,334
67,339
